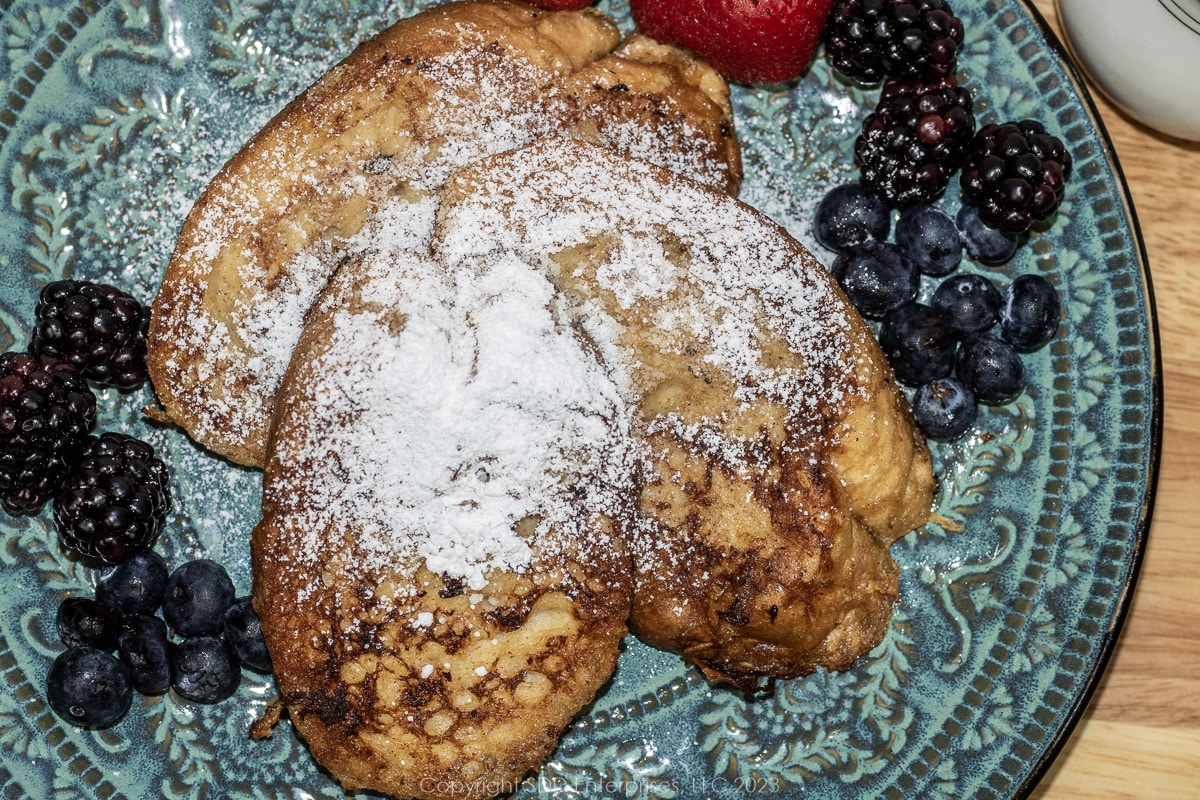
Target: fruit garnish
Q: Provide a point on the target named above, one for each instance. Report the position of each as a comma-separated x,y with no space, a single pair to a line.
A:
917,344
136,585
198,594
986,244
243,631
969,303
84,621
96,328
747,41
89,687
868,40
1015,174
114,500
875,277
944,409
46,411
915,139
851,214
213,637
928,237
1029,313
144,649
991,368
204,669
963,347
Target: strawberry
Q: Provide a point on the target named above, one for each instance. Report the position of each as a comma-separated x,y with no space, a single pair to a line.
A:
561,5
747,41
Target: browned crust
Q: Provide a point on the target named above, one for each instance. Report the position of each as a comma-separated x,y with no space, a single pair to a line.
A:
779,571
750,574
645,87
279,195
392,706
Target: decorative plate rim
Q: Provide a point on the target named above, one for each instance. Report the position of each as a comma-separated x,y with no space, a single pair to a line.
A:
1104,636
1108,645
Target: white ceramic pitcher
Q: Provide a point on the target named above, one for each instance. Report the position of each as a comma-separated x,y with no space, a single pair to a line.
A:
1144,54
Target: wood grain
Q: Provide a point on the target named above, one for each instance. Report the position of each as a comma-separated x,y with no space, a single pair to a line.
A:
1140,737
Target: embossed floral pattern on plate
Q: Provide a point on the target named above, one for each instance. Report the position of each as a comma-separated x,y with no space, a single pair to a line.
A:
116,113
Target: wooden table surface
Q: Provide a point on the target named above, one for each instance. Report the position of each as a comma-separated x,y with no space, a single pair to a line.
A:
1140,737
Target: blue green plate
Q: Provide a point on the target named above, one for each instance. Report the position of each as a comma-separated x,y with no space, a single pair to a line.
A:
116,112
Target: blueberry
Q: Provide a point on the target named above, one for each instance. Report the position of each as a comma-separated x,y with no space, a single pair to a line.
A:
205,669
851,214
944,409
986,244
876,278
991,368
969,304
1029,316
144,649
84,621
243,631
917,344
197,595
928,237
88,687
135,586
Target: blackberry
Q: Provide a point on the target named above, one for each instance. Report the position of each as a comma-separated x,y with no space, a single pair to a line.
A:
115,499
96,328
46,411
867,40
1015,174
915,139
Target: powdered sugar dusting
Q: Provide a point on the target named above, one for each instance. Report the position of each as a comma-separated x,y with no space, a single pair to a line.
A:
456,401
271,327
634,139
741,272
477,113
459,390
474,100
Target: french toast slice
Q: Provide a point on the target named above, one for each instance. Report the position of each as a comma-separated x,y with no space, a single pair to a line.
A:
780,459
437,572
428,94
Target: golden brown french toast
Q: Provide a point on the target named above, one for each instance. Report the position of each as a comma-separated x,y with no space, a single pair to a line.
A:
428,94
780,458
436,570
565,391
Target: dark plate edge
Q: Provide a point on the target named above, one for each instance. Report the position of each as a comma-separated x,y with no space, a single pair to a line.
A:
1075,712
1109,641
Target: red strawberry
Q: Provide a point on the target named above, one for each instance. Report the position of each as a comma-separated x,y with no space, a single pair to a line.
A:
747,41
561,5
